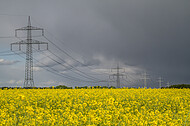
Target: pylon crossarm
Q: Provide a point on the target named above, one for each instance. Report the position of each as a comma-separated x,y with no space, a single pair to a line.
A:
32,42
38,42
24,42
20,42
29,28
20,29
116,68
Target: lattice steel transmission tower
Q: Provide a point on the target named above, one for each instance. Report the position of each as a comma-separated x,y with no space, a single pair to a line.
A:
168,84
160,82
118,75
145,78
29,82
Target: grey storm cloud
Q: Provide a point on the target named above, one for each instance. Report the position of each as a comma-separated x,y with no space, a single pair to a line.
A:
148,33
152,35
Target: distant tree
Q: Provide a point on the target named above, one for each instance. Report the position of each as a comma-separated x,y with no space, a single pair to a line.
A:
179,86
104,87
112,87
62,87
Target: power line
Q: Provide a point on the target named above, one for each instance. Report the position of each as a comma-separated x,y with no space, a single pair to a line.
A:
5,51
72,67
29,58
130,76
19,37
56,72
7,36
68,56
61,42
93,78
89,77
65,52
4,14
8,54
128,81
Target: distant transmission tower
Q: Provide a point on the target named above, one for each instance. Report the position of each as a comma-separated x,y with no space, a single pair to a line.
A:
118,75
29,82
160,82
145,78
168,84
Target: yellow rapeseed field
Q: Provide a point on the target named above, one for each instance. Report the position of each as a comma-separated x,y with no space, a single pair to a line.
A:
122,107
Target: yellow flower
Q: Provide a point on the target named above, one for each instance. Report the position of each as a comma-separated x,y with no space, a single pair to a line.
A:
95,107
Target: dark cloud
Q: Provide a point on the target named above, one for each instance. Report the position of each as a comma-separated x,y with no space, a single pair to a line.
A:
148,34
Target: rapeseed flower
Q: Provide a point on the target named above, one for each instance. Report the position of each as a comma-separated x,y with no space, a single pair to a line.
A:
141,107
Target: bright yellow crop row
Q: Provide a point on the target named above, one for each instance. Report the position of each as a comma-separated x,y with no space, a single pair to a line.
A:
139,107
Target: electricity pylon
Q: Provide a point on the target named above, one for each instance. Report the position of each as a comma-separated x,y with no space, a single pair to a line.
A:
29,82
117,75
168,84
160,81
145,78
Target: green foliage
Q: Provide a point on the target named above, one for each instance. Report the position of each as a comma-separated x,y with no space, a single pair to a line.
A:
57,87
62,87
179,86
93,87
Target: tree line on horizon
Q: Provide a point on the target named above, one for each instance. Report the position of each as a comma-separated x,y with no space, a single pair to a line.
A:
178,86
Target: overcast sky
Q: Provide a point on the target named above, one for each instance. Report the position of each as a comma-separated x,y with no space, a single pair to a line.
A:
140,35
